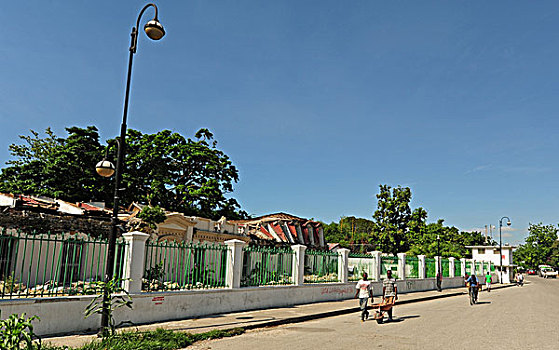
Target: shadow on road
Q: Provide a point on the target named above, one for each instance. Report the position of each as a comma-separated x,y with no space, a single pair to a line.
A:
403,318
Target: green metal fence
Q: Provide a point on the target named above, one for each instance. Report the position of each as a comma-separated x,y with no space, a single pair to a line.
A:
457,268
468,267
321,266
46,265
180,266
445,264
479,268
267,266
492,267
430,267
359,263
412,267
389,263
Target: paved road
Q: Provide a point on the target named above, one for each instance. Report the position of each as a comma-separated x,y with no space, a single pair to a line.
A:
511,318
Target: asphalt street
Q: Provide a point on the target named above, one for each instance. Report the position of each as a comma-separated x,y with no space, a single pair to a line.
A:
511,318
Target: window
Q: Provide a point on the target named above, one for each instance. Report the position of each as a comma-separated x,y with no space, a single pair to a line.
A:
71,261
7,244
481,251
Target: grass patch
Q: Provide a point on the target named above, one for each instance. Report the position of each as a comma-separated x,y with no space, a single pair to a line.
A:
159,339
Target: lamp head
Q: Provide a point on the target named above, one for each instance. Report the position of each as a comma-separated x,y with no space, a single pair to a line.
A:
154,29
508,223
105,168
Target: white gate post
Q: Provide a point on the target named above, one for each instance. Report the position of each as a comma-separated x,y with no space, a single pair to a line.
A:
451,267
343,255
402,266
463,267
421,266
298,270
234,263
134,261
376,265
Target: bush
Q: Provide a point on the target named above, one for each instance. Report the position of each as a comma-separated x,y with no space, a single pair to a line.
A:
160,339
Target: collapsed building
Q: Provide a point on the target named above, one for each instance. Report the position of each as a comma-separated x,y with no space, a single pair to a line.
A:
283,228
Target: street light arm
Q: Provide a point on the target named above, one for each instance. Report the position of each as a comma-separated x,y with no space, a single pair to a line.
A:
144,10
134,41
501,221
109,144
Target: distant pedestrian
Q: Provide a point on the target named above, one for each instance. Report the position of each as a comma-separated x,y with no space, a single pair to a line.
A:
473,284
389,291
364,292
488,280
519,279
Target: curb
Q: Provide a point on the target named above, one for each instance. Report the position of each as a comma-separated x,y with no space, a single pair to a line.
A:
304,318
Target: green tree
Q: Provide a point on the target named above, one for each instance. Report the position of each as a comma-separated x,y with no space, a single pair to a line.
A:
162,169
392,218
540,247
57,167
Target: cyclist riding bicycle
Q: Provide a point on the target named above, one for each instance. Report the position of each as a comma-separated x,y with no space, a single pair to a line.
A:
473,285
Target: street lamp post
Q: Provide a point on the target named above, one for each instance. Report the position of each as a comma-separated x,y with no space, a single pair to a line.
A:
501,247
154,30
440,274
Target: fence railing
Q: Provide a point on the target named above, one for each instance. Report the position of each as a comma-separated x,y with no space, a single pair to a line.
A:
445,265
430,268
468,267
321,266
457,268
45,265
389,263
359,263
183,266
267,266
412,267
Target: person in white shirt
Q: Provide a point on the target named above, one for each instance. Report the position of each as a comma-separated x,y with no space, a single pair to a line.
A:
364,292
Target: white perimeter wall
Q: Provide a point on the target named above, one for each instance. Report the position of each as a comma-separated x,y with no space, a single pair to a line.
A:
65,314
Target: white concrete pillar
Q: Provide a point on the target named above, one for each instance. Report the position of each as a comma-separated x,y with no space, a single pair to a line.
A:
473,272
421,266
234,263
343,254
463,267
451,262
376,265
438,266
298,270
402,266
134,261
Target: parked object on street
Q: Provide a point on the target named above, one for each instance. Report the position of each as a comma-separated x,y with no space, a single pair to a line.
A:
547,271
381,308
532,272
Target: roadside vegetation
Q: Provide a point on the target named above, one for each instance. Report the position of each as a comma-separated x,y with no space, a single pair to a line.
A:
159,339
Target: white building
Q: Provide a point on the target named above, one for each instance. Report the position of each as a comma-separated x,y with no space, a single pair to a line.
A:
491,253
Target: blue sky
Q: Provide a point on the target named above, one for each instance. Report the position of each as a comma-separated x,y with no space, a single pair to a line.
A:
316,102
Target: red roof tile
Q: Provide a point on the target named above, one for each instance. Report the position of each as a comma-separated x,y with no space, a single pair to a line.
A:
265,232
293,230
279,231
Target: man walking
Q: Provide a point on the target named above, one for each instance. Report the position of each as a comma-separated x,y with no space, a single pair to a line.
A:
488,281
364,291
389,292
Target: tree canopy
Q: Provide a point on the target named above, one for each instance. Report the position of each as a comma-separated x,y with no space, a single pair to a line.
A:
164,169
396,228
540,248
